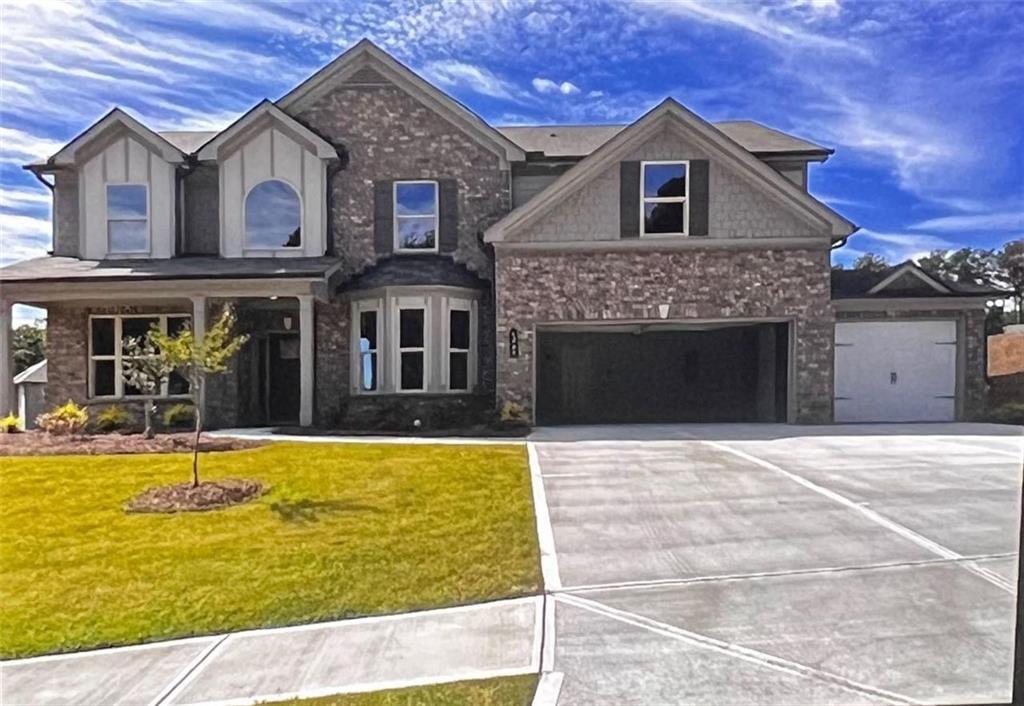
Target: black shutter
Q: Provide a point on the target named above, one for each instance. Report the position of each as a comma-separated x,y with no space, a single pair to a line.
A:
699,171
383,218
448,218
629,199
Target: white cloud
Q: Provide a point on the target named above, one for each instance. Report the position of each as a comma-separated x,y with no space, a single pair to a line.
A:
457,74
23,237
21,314
546,85
1007,221
897,247
24,198
20,147
765,21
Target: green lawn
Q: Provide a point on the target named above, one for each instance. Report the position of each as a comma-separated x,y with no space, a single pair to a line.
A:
506,691
345,530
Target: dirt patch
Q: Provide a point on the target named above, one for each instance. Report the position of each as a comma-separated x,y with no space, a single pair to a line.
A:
38,443
210,495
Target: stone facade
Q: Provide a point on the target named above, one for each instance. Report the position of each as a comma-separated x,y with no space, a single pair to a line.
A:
970,351
736,208
538,288
387,134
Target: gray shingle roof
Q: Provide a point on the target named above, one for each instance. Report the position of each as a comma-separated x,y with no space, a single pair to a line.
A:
856,284
69,269
581,140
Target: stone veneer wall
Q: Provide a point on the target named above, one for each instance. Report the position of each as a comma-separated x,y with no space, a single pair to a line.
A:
536,288
67,353
387,134
975,392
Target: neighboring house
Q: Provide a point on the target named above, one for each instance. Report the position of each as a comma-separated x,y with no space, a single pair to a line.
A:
392,255
1006,365
30,386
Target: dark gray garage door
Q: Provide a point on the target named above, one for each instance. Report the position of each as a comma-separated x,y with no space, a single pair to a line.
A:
664,373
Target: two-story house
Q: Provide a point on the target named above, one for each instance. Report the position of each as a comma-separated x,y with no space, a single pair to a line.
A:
392,257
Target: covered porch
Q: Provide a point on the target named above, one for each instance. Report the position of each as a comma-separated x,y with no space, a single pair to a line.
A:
269,382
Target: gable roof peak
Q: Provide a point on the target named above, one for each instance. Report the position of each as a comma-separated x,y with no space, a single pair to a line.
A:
116,116
209,150
365,53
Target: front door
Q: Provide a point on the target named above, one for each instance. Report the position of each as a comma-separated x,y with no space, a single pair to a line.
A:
283,378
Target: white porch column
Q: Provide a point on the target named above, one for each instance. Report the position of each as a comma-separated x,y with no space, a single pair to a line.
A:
7,401
199,330
305,360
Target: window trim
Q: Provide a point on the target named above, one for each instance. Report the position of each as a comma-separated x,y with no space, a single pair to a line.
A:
358,308
248,249
411,303
395,218
108,219
451,304
684,199
117,358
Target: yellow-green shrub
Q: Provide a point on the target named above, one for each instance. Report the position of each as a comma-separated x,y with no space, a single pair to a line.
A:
112,418
64,419
180,415
11,424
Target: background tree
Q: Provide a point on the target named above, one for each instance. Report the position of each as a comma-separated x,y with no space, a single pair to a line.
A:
28,343
196,359
145,369
871,262
1011,264
974,265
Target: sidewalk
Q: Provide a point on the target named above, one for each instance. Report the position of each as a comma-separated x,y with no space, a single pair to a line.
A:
502,638
268,434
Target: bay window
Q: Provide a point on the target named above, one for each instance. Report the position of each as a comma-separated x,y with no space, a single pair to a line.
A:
409,340
106,353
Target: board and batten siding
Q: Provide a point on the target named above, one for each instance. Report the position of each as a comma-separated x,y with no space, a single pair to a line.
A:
126,161
273,154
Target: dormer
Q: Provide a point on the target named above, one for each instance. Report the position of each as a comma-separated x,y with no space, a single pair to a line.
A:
272,185
125,178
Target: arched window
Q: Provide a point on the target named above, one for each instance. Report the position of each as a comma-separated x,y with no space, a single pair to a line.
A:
273,216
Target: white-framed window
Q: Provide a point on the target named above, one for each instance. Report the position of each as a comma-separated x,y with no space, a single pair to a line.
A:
412,339
273,216
664,198
416,216
106,357
370,324
128,218
460,339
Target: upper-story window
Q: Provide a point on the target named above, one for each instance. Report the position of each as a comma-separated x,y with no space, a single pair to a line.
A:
416,220
664,203
127,218
273,216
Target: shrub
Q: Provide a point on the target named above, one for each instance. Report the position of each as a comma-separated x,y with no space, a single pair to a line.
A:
1009,413
180,415
514,413
64,419
113,418
11,424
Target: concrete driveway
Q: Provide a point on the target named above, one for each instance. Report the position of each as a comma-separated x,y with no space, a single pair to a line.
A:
777,564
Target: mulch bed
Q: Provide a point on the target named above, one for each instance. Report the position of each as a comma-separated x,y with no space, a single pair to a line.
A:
37,443
210,495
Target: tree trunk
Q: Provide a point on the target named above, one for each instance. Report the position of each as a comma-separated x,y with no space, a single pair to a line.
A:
147,412
195,449
197,387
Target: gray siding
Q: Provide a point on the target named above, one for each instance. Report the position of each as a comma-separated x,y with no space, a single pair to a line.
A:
528,180
202,212
65,214
736,209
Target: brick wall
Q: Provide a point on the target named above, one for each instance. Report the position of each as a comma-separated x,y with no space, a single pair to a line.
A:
386,135
539,288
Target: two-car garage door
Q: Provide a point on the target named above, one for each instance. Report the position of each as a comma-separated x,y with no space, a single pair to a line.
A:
895,371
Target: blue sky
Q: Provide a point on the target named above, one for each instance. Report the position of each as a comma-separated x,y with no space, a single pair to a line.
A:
922,101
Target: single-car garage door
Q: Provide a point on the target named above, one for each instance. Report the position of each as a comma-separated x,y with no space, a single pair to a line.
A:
662,373
895,371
